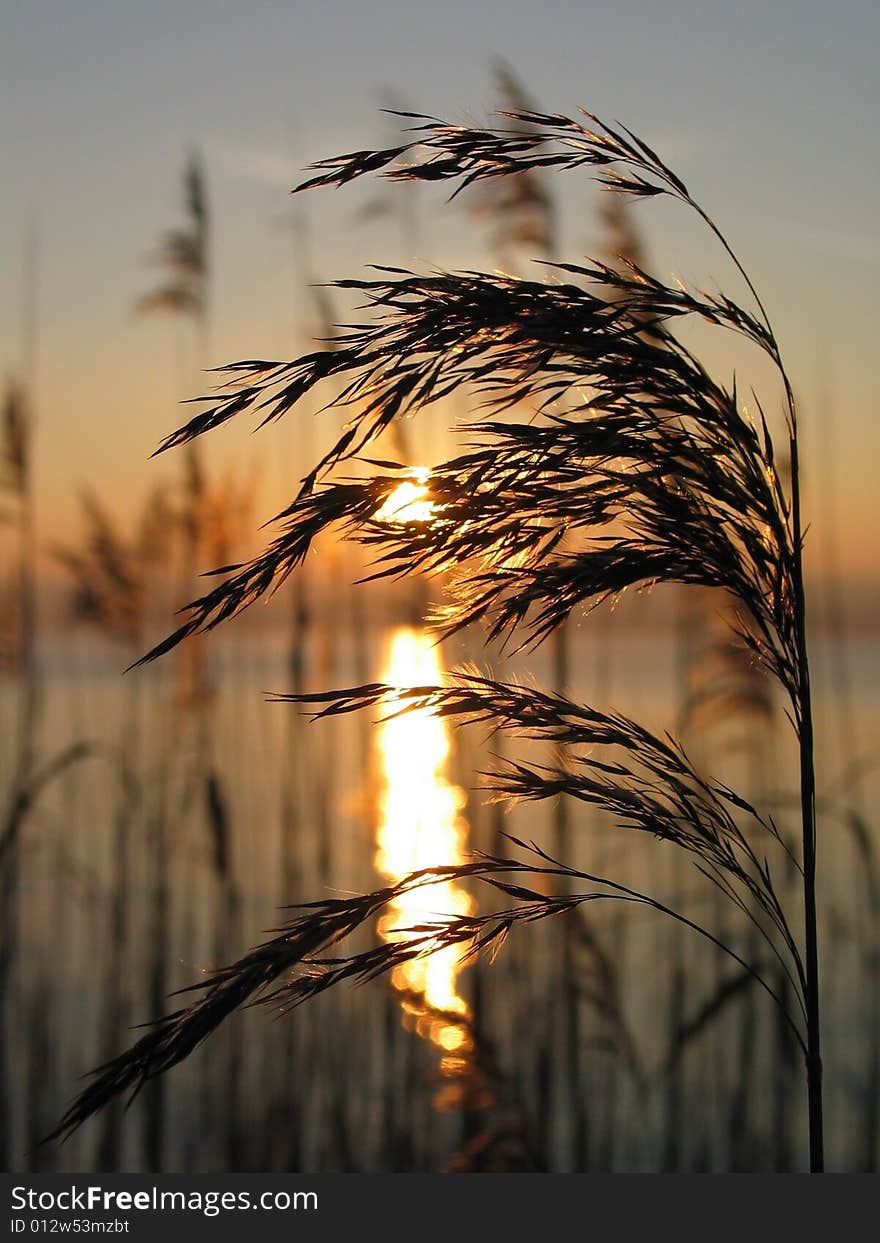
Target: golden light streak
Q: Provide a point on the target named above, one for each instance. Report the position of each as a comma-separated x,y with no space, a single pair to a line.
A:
409,501
421,825
421,822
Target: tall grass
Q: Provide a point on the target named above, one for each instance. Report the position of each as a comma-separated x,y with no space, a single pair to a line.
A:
112,577
184,259
641,468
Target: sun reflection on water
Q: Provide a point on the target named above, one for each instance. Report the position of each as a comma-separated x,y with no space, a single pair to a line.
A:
421,825
421,821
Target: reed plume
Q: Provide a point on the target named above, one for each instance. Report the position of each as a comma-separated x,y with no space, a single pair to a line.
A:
183,254
15,441
649,469
14,474
111,573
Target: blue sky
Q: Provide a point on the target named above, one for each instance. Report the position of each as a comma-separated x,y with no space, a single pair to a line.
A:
769,112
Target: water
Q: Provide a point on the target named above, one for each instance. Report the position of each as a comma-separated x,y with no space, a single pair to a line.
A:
346,1083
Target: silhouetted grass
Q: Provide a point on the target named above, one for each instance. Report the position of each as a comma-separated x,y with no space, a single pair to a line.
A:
648,469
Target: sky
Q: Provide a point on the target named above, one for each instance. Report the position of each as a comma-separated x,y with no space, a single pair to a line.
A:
769,111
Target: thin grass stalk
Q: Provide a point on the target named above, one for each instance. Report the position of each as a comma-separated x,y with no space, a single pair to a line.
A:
616,921
38,1050
64,901
18,452
870,956
224,504
287,1117
837,627
226,920
808,825
153,1105
40,1071
116,1002
285,1120
27,583
182,291
784,1063
674,1128
745,1119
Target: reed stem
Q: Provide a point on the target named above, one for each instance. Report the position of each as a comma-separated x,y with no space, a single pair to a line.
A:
808,825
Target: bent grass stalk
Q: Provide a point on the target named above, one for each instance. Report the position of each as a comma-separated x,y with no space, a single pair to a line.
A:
646,467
